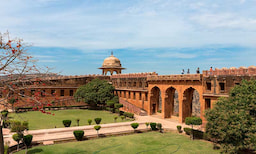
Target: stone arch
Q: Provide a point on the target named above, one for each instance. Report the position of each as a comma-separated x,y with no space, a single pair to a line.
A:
156,100
190,104
171,102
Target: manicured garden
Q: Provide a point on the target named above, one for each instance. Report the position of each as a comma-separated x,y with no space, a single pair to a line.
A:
37,120
152,142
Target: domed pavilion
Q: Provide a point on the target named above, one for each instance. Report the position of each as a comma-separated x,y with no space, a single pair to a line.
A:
111,64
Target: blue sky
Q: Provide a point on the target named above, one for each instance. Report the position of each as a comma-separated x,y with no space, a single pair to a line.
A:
74,36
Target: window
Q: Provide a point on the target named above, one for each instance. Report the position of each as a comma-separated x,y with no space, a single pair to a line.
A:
52,92
134,84
207,103
129,94
124,94
140,84
222,86
140,96
134,95
62,92
71,92
208,86
146,96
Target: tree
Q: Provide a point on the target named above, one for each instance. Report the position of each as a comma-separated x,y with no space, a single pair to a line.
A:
232,122
95,93
97,128
134,126
193,121
17,137
27,141
18,71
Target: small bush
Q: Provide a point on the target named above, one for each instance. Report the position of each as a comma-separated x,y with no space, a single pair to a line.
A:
129,115
66,123
27,140
79,134
147,124
198,134
89,121
159,127
122,117
134,126
179,129
153,126
97,120
115,118
121,113
187,130
97,128
117,105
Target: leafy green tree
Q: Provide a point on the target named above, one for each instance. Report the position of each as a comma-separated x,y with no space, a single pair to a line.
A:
232,122
193,121
27,141
95,93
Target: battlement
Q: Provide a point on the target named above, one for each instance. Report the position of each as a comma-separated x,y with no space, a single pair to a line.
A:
192,77
73,77
134,75
241,71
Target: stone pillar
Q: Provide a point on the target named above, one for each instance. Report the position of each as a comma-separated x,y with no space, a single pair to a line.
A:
163,96
180,97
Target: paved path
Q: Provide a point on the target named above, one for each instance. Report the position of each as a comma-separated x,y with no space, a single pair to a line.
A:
57,134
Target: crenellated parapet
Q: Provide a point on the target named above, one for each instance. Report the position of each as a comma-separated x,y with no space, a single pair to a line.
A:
133,75
241,71
183,77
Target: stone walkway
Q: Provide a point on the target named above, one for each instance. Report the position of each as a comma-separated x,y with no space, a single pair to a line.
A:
48,136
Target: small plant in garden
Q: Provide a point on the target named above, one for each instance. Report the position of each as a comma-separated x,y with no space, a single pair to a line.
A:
79,134
66,123
97,120
135,126
97,128
115,118
193,121
27,141
122,117
153,126
179,129
77,121
17,137
187,130
89,121
147,124
159,127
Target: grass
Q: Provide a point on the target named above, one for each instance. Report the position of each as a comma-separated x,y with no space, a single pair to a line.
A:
144,143
38,120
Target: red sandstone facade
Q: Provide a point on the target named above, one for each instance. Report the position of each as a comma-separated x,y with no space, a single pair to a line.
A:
149,93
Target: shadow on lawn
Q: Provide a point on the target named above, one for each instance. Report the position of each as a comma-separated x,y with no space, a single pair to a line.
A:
36,150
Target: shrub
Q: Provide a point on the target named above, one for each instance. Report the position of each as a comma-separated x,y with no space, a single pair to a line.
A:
198,134
97,120
128,114
193,121
121,113
117,105
77,121
122,117
179,129
89,121
17,126
159,127
79,134
117,111
97,128
153,126
4,113
135,126
66,123
27,140
17,137
147,123
6,147
187,130
115,118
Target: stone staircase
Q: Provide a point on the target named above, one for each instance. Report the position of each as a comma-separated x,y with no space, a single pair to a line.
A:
132,108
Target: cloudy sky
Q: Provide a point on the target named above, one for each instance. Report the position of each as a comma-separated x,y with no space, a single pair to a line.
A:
166,36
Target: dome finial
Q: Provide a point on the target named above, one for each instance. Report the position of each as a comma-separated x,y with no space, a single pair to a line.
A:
111,53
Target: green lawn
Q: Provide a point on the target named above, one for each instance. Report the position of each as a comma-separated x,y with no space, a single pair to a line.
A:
144,143
38,120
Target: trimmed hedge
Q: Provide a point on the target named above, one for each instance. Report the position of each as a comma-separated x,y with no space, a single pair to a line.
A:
122,117
159,126
117,105
187,130
153,126
97,120
66,123
79,134
135,125
27,140
89,121
128,114
179,129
